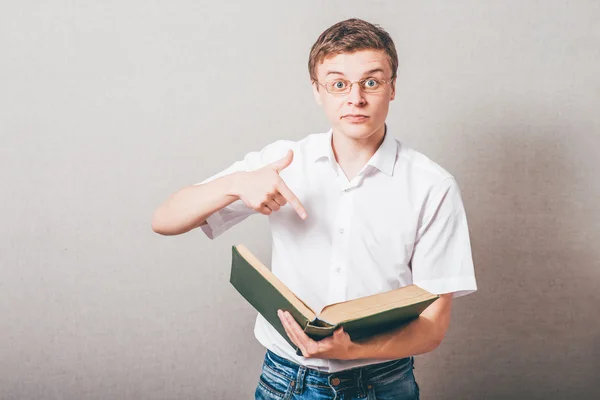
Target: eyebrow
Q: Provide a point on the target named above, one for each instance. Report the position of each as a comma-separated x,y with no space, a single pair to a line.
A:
372,71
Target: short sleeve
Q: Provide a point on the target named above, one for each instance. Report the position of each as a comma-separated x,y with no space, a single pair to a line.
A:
442,261
222,220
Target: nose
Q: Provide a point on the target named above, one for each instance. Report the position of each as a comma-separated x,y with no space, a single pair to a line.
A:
356,96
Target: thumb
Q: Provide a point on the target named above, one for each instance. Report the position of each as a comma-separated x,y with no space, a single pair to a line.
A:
284,162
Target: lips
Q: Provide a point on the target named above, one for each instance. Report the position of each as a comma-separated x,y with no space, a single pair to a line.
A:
355,117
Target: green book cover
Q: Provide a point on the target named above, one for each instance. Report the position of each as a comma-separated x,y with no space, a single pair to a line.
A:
361,318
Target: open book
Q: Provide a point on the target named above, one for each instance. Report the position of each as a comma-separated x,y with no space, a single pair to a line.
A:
360,317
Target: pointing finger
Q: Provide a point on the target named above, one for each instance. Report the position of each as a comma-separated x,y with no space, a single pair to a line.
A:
292,199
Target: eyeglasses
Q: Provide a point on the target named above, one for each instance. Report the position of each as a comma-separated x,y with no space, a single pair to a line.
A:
343,86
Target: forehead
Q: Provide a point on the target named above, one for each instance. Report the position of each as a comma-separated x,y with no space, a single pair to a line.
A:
355,64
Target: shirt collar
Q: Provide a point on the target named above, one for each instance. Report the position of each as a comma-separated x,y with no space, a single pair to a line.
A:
323,148
383,159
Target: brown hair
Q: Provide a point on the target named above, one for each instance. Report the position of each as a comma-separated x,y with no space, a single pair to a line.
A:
347,37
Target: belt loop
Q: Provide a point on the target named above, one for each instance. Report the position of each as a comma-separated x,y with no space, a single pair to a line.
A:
300,380
359,383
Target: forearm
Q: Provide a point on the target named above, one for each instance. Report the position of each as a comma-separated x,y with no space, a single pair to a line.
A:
416,337
189,207
422,335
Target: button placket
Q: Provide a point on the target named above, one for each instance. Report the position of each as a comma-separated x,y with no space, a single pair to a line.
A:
338,273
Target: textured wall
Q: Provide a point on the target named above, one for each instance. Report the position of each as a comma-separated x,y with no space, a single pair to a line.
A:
108,107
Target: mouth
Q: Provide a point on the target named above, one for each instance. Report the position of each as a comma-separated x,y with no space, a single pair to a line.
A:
355,118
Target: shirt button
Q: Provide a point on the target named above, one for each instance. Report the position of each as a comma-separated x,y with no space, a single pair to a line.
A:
338,269
342,230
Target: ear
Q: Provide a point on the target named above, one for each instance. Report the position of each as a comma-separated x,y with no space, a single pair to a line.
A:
317,93
393,84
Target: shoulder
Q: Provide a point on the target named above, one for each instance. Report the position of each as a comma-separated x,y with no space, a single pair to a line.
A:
421,169
301,147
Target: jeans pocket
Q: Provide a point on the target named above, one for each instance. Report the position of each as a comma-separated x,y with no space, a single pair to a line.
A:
272,385
394,380
395,367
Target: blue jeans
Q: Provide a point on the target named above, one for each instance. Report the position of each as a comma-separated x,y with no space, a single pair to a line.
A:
283,379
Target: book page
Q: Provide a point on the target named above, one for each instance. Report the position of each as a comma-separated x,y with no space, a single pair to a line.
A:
365,306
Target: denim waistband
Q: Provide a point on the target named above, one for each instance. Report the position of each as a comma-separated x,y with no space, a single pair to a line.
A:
353,377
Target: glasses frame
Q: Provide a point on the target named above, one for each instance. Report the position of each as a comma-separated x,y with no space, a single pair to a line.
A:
388,81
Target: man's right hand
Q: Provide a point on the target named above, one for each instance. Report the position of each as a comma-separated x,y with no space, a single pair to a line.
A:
264,191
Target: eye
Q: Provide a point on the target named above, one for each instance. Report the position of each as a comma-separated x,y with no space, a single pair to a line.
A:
339,86
371,83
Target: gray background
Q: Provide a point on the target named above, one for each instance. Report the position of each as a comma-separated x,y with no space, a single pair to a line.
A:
108,107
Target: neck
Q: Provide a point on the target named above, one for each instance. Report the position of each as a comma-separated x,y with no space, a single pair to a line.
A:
354,153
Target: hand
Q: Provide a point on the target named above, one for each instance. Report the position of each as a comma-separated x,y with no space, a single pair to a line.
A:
264,191
338,346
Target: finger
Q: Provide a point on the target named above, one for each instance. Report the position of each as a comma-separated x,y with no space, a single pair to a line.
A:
289,331
279,199
302,339
339,334
279,165
272,205
265,210
288,322
285,326
292,199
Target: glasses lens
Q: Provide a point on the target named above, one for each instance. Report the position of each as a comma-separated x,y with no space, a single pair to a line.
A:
339,86
342,86
371,85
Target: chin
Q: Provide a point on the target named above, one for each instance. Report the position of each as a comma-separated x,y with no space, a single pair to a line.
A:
357,131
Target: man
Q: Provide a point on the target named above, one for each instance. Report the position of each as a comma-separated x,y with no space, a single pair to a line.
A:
353,212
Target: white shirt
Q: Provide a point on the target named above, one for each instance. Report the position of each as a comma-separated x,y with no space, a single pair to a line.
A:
399,221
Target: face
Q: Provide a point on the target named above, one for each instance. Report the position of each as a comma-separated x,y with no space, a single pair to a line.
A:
356,114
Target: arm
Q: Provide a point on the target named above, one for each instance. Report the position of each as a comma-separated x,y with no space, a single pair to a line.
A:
422,335
419,336
189,207
261,190
441,263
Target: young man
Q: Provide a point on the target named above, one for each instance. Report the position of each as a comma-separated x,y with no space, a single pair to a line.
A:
353,206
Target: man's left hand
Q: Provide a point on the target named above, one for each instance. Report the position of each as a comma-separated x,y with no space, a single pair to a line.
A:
338,346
